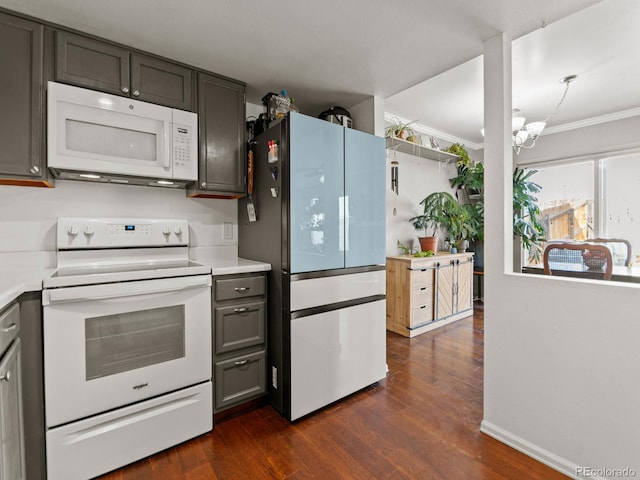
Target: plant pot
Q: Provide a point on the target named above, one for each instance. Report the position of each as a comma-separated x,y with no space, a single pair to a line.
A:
462,245
428,243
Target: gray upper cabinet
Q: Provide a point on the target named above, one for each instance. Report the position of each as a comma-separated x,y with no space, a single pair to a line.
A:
157,81
21,113
89,63
222,165
98,65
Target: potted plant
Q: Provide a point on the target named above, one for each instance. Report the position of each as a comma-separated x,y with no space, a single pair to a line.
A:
526,211
461,151
526,225
437,209
401,130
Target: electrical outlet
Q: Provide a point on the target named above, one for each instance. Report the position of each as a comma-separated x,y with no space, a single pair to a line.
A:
274,377
227,231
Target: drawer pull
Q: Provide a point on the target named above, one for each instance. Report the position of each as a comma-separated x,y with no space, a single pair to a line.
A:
10,328
239,363
241,289
423,288
423,306
240,310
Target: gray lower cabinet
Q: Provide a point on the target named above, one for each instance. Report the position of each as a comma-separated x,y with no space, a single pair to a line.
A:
22,160
98,65
12,462
33,384
221,115
239,345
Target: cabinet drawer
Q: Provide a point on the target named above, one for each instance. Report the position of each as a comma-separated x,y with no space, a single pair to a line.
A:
240,379
233,288
422,278
422,296
421,314
9,326
239,326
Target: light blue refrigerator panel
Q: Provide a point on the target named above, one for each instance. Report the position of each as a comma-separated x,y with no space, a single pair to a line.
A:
365,158
316,200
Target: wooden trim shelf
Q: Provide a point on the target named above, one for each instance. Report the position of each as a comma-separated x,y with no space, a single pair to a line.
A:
422,151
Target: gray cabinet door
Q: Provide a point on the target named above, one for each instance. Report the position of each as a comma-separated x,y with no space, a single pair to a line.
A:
165,83
222,163
239,326
240,379
11,431
21,109
90,63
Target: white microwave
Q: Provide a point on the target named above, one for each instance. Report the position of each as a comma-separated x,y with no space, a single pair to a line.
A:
100,137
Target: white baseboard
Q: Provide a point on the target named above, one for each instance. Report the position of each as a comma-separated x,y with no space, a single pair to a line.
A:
534,451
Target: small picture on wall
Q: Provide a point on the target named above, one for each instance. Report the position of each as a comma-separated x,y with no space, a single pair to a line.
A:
433,141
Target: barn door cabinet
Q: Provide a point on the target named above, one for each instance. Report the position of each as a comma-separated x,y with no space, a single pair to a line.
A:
91,63
22,160
426,293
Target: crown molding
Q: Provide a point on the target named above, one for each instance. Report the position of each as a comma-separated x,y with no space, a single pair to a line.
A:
588,122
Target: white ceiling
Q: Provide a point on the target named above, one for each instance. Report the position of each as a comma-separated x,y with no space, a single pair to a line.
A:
600,44
333,52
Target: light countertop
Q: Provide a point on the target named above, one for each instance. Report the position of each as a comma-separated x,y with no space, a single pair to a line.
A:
234,265
16,281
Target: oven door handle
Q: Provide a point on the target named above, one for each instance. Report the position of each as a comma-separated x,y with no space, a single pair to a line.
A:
124,289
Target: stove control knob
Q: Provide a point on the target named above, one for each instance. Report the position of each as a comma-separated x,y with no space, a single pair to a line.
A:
166,230
72,230
177,231
88,230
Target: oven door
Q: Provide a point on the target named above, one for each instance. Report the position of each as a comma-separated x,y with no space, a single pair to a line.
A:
106,346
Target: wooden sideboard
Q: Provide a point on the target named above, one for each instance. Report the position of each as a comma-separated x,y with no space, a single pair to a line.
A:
424,293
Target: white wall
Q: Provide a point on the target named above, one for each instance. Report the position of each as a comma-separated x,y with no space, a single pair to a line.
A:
587,141
28,215
417,178
561,357
368,116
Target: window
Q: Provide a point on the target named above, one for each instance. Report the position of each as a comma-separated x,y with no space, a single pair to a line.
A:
593,198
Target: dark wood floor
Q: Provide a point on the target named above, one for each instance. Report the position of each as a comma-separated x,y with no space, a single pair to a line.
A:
422,422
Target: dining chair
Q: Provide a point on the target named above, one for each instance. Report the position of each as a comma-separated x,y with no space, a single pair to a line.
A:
620,249
578,259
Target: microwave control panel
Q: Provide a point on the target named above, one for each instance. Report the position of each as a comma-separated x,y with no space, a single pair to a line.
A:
185,145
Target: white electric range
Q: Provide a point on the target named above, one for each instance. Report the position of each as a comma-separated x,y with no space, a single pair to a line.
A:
127,344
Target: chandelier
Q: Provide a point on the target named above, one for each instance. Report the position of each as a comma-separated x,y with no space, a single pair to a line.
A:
524,135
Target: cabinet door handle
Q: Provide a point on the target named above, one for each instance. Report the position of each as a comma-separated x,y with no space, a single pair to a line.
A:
241,362
125,89
6,377
240,310
242,289
136,93
10,328
34,169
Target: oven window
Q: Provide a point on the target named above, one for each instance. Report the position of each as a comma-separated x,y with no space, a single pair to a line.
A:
110,141
127,341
